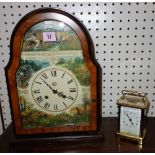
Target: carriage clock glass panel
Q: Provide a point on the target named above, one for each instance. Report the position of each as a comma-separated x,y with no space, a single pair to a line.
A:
53,81
130,119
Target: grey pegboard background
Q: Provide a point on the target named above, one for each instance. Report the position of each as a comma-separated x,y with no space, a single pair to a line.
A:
124,39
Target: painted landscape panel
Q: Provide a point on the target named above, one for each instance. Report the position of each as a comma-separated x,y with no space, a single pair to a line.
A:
52,44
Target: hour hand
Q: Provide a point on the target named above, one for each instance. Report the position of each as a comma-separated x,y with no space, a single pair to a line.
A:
61,94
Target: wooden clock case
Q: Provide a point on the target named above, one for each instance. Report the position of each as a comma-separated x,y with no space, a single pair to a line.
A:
94,131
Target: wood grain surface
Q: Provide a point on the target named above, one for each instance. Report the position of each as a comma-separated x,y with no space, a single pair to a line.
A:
9,143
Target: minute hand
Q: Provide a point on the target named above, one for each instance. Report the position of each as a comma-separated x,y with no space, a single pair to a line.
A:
53,90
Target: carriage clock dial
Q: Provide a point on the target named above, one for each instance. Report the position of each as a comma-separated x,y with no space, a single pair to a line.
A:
130,120
54,89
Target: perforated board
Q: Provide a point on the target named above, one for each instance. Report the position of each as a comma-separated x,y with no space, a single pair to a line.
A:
124,39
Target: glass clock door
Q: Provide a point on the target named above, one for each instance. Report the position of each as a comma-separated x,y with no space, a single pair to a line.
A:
53,80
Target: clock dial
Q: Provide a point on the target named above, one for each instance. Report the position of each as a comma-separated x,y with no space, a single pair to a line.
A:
54,89
130,120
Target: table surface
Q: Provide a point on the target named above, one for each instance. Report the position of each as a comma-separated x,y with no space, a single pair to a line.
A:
109,145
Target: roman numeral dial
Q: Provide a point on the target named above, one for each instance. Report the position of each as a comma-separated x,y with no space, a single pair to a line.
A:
54,89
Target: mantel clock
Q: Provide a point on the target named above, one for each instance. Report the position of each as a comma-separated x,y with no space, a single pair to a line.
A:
133,107
54,80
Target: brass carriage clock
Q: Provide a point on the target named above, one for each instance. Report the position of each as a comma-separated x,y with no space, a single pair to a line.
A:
53,78
133,107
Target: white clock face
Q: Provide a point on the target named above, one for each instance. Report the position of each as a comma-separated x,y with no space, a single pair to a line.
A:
54,89
130,119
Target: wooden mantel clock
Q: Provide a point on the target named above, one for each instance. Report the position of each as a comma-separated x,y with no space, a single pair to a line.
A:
54,80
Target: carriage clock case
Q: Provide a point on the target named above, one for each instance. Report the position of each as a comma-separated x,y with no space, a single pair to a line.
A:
53,78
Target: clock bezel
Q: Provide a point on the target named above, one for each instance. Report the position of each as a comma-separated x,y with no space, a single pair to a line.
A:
95,129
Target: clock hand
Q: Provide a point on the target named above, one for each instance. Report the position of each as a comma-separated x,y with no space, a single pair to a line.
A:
47,84
69,97
60,94
130,119
53,90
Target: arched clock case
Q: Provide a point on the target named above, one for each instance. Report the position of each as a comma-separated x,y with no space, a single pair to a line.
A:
54,81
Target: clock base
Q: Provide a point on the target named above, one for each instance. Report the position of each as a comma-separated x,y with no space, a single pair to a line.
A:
60,137
131,137
58,141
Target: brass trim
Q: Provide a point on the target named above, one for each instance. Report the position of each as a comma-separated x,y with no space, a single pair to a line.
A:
133,99
135,93
133,137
